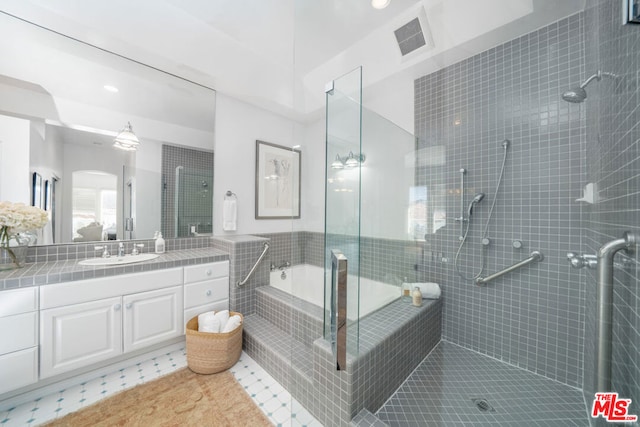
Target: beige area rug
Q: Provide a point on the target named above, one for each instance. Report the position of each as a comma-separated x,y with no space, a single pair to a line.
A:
182,398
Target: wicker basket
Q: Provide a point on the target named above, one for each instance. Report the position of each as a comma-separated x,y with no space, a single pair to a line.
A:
208,353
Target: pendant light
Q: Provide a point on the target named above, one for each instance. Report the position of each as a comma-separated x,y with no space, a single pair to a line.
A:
126,139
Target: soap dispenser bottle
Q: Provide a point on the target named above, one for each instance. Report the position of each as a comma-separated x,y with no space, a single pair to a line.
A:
405,290
159,243
417,297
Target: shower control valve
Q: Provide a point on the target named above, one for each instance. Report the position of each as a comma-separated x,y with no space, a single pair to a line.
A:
581,261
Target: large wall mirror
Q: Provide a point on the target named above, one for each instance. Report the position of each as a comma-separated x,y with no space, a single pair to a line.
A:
62,102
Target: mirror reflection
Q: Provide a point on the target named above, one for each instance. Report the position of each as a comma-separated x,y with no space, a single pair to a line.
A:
62,104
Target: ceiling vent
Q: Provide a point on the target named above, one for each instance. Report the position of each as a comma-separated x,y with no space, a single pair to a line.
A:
410,37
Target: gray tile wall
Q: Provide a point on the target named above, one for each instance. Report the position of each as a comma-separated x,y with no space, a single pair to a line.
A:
198,167
243,253
613,162
384,260
534,317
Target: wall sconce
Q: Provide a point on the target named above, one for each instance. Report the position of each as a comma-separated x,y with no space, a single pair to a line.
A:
126,139
351,160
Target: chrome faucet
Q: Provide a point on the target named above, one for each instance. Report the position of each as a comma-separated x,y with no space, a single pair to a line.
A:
104,249
284,265
120,249
281,267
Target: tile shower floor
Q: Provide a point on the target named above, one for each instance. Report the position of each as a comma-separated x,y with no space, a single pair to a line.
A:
270,396
441,390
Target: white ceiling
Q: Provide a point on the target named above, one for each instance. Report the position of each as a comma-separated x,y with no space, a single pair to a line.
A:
278,54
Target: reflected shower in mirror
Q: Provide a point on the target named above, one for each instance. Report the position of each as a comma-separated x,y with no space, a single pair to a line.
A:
59,118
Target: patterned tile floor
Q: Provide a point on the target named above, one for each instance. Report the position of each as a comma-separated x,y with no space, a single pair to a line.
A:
270,396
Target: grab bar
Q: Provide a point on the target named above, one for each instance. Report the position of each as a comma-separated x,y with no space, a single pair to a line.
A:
535,256
604,302
264,252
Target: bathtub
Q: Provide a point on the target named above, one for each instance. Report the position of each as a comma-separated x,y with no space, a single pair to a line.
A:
306,281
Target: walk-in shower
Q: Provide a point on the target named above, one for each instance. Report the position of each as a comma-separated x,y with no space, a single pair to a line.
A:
192,206
484,240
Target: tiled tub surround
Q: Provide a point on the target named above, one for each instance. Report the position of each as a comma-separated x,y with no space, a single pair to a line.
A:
532,318
384,260
393,341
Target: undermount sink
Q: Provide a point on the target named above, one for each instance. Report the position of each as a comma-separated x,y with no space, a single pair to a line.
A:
118,260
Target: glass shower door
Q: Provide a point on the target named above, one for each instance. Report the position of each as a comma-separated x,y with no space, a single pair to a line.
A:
342,214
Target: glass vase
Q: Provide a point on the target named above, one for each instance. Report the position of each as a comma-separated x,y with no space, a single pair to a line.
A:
14,254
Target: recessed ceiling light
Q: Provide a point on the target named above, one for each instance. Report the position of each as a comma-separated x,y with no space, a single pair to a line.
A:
111,88
380,4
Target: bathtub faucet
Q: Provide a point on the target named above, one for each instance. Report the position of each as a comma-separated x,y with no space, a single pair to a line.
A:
281,267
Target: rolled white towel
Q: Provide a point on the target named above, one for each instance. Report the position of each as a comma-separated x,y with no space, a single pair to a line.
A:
207,322
206,317
233,322
223,317
429,290
213,326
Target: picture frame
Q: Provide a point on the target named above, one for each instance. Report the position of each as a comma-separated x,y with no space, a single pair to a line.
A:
36,190
278,172
631,11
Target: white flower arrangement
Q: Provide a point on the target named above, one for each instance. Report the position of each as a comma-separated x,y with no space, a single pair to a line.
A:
16,218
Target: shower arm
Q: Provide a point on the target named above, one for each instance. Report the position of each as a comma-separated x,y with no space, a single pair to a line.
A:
598,76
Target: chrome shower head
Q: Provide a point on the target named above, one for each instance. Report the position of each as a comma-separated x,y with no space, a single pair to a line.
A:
575,95
578,94
476,199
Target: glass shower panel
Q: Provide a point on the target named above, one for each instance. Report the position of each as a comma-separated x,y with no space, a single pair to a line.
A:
342,202
392,227
193,202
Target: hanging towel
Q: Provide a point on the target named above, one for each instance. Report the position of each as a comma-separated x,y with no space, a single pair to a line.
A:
229,214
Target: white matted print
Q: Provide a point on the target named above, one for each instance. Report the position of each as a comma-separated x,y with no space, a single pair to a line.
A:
277,181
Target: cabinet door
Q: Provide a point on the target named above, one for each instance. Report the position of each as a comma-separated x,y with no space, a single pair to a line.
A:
18,369
152,317
79,335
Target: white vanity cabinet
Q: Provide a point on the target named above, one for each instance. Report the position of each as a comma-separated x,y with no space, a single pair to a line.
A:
88,321
206,288
152,317
78,335
19,344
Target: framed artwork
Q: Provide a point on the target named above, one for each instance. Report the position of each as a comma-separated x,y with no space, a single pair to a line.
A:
36,190
277,181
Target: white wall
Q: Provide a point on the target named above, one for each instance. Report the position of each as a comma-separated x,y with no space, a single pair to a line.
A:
14,158
238,126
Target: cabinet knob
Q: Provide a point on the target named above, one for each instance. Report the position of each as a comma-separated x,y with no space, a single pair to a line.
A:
129,305
209,292
209,272
117,307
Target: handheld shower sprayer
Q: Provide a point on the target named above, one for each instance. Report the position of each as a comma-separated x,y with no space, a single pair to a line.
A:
476,199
